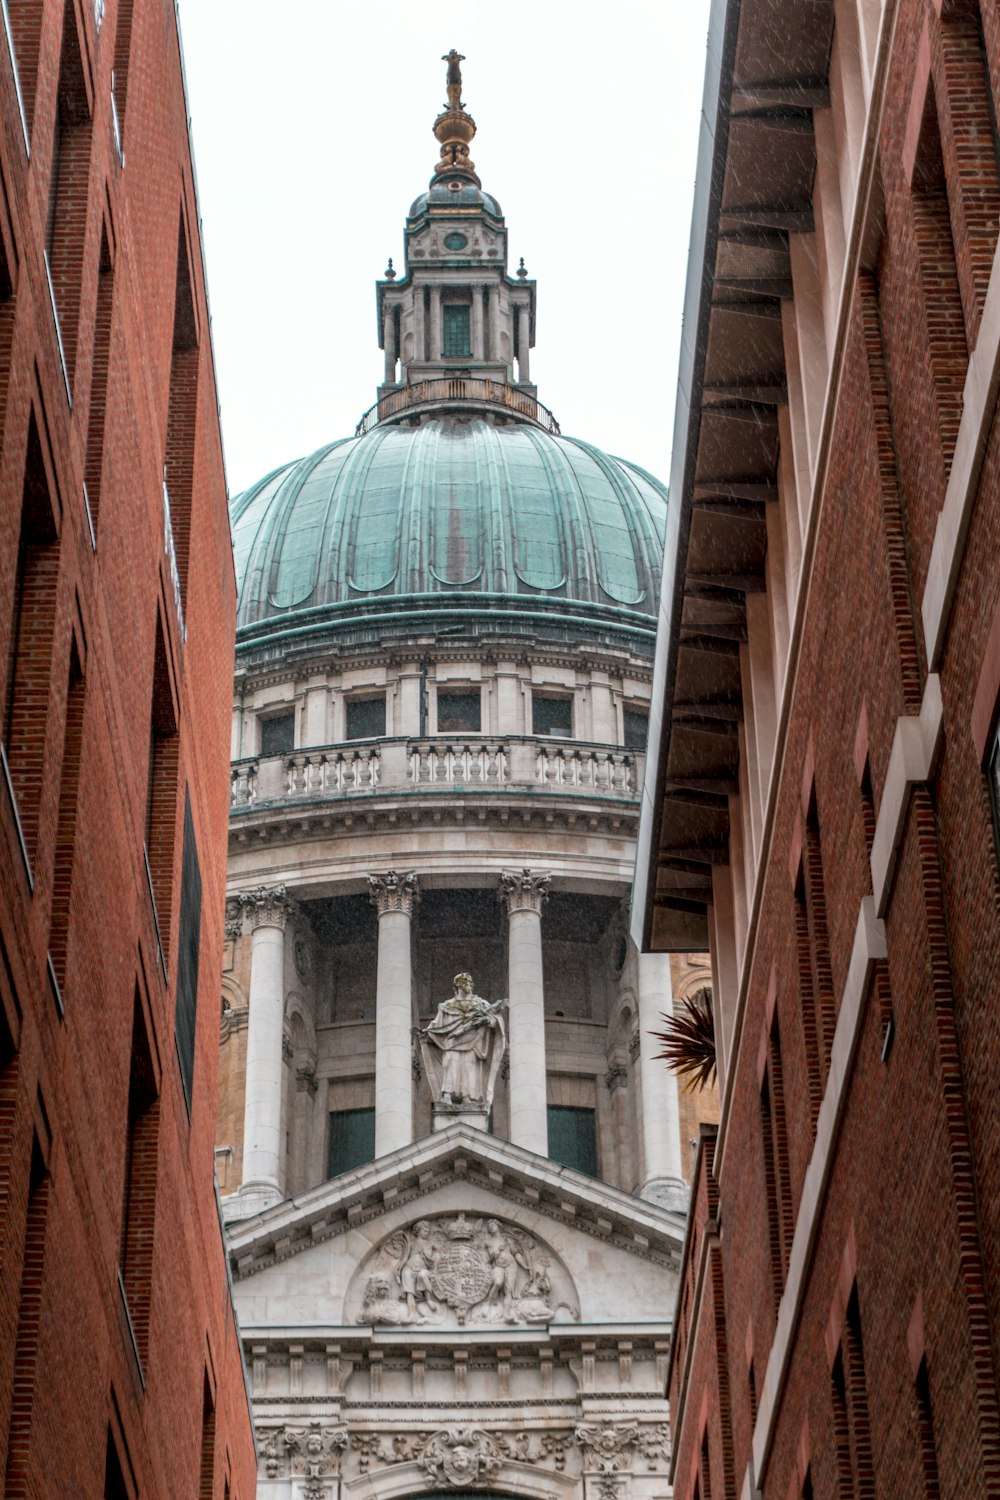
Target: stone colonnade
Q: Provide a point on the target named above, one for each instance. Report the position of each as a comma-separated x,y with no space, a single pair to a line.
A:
394,896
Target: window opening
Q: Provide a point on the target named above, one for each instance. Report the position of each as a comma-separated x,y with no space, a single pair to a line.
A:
459,713
277,734
135,1253
94,462
636,728
455,320
69,793
352,1140
551,716
188,952
29,652
573,1138
161,792
365,718
31,1303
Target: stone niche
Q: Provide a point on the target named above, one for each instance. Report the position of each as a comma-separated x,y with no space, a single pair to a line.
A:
459,1270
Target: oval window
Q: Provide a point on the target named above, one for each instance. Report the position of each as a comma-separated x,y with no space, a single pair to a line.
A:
455,241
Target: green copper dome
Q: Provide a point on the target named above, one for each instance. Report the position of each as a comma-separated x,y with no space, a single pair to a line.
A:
451,511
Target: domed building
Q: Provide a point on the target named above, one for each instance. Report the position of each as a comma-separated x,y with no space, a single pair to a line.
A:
451,1162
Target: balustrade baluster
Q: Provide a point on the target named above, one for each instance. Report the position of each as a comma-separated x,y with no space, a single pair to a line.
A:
374,768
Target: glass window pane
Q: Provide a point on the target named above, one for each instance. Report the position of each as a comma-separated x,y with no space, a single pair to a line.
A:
365,718
277,735
352,1140
636,728
551,715
456,330
459,713
573,1138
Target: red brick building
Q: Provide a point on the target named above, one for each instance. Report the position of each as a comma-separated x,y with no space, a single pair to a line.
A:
824,812
120,1367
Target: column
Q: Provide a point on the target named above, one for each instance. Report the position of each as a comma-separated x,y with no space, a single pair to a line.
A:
393,897
493,319
477,323
389,342
269,910
523,326
523,894
437,336
662,1175
419,337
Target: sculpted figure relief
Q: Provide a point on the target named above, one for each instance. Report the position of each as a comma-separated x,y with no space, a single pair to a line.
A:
462,1269
463,1047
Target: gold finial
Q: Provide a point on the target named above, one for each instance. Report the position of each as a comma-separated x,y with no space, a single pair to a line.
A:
455,128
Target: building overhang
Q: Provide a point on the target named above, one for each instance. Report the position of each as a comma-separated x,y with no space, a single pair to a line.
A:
766,73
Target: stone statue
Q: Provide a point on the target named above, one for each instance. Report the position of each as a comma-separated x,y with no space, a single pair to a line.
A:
454,78
463,1048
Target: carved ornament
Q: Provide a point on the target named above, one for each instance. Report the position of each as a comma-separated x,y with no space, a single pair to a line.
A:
267,906
461,1457
393,892
524,890
312,1453
466,1269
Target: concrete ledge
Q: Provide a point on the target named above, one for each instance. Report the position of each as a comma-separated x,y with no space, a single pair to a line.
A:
869,947
982,384
915,749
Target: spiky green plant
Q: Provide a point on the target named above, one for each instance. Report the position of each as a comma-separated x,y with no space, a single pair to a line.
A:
688,1040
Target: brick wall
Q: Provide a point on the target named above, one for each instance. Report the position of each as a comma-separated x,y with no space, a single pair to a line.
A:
890,1310
107,1386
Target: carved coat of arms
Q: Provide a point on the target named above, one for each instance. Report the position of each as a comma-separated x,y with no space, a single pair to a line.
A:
470,1268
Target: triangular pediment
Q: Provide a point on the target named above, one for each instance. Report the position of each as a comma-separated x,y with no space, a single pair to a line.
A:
609,1255
464,1155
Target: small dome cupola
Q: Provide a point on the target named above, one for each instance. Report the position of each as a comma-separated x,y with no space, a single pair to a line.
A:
456,328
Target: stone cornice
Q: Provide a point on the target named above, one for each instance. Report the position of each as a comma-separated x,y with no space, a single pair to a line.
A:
567,811
505,1171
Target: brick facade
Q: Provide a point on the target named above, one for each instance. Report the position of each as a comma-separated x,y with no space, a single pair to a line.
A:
120,1365
838,1330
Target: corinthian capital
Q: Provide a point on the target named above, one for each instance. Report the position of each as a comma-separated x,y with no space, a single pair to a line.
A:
524,890
393,892
267,906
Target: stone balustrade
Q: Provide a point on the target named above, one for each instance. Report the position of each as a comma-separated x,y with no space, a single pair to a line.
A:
506,763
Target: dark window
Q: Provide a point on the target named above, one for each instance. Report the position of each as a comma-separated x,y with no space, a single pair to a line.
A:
994,775
29,655
178,461
551,715
459,713
119,77
69,792
925,1430
161,791
135,1253
26,32
365,718
455,318
206,1486
636,728
67,209
352,1140
115,1487
277,735
189,949
573,1138
31,1302
99,378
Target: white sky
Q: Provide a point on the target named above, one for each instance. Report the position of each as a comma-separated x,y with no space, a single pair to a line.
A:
312,132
